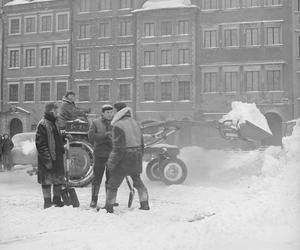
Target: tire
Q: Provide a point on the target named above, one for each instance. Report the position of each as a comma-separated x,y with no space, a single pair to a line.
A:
82,162
173,171
153,170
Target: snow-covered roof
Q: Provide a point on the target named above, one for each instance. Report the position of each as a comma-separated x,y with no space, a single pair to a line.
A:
17,2
166,4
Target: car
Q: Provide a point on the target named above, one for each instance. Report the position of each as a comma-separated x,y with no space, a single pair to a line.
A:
24,150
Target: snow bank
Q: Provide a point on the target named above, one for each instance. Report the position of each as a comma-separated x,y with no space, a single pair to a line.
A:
241,112
161,4
28,147
16,2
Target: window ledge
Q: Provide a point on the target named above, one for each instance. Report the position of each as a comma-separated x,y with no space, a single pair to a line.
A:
19,67
148,101
83,101
13,102
28,101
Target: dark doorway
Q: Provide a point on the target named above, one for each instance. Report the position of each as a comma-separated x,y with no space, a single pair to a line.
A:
275,124
15,127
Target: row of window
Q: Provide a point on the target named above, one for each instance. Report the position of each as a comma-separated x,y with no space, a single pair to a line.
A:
46,92
102,5
249,80
44,58
29,91
45,21
250,35
167,57
235,4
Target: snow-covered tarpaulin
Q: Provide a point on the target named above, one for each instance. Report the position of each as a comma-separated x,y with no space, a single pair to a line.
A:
17,2
165,4
231,200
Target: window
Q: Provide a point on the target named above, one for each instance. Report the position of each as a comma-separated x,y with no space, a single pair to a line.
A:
14,58
273,35
30,24
149,91
251,3
231,4
230,37
251,36
125,59
125,28
103,93
83,93
209,4
45,91
104,30
46,23
183,27
298,46
230,81
210,39
104,4
298,5
148,29
84,31
124,4
45,57
13,95
28,92
166,28
83,5
125,92
166,56
62,21
183,56
149,57
210,82
14,26
62,55
166,91
184,90
103,60
251,80
29,57
83,61
273,80
272,2
61,89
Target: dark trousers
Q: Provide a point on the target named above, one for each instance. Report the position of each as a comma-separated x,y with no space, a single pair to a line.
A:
99,168
114,183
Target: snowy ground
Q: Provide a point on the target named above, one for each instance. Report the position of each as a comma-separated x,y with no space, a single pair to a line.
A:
251,200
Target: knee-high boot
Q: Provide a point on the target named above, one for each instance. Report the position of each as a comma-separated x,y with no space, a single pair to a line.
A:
111,197
57,195
144,198
95,192
47,196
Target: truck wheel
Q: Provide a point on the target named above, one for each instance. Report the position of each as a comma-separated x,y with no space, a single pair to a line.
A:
153,170
173,171
82,162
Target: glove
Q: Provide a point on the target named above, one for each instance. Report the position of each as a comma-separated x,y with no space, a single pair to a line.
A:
69,136
48,165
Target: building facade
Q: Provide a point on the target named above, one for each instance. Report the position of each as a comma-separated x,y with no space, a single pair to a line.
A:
166,59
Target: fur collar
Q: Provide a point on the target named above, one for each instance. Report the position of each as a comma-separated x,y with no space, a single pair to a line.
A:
119,115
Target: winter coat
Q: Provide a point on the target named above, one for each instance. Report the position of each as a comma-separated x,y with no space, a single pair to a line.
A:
127,153
99,138
7,145
68,112
50,148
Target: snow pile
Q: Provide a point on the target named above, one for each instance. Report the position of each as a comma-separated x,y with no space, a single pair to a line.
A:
28,147
241,112
162,4
17,2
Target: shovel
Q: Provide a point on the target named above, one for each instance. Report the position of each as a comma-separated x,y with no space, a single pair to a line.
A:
131,193
68,194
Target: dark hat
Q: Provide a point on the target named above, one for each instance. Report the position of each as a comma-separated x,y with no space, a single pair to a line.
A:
69,92
49,106
120,105
106,107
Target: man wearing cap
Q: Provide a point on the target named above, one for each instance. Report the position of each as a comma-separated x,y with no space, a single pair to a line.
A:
100,137
68,110
50,150
126,156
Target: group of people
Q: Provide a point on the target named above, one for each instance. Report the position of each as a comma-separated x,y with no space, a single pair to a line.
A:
118,149
6,145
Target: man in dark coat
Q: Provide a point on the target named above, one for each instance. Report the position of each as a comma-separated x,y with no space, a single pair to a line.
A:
50,149
6,152
69,111
126,157
100,137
